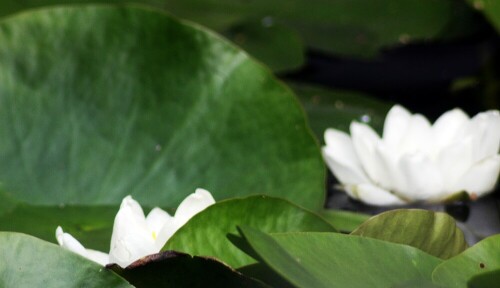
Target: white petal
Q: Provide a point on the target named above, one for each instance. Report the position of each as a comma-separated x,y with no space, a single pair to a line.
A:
67,241
373,195
346,173
341,147
481,178
447,127
454,160
193,204
417,136
486,126
156,219
166,232
365,140
395,125
351,190
131,247
423,178
390,175
98,257
341,158
131,237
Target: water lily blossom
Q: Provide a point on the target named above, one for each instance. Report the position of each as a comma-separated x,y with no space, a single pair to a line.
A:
415,161
136,235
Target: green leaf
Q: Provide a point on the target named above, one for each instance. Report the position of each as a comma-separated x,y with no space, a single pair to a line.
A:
99,102
92,226
433,232
485,280
478,259
490,9
338,108
276,45
214,223
353,28
349,27
174,269
31,262
344,221
265,274
337,260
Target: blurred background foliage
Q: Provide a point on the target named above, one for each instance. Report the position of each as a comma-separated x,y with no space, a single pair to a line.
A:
430,55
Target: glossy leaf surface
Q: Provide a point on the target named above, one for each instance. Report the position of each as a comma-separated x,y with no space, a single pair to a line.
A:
217,221
101,102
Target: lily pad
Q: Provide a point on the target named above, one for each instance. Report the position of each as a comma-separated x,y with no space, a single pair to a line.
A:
330,108
92,226
276,45
353,28
490,9
31,262
174,269
433,232
99,102
478,259
336,260
217,221
485,280
344,221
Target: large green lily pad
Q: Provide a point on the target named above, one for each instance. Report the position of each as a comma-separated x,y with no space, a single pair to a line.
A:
31,262
336,260
99,102
433,232
217,221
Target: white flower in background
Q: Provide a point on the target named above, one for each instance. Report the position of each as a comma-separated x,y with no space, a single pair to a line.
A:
414,160
134,235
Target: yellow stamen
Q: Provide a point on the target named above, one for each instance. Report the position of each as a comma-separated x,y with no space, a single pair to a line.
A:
154,235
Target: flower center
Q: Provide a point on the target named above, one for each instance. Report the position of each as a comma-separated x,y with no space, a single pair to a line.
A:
154,235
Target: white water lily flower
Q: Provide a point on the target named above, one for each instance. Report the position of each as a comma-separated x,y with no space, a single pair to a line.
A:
414,160
134,235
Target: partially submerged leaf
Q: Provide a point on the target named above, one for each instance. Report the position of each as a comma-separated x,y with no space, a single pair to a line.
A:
30,262
217,221
478,259
174,269
433,232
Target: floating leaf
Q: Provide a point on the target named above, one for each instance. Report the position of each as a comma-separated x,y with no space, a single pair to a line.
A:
327,108
485,280
98,102
478,259
31,262
490,8
433,232
337,260
92,226
344,221
275,44
217,221
348,27
174,269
